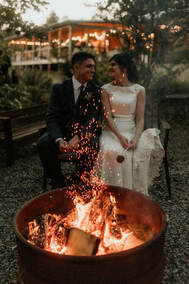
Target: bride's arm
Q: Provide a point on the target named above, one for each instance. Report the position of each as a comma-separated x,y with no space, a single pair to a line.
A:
108,116
140,108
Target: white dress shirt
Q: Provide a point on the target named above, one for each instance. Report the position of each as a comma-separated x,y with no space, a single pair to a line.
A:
77,87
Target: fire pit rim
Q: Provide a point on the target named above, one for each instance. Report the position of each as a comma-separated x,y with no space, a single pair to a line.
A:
92,257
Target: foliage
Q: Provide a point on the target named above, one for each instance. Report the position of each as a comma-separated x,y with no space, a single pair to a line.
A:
33,88
18,95
101,75
52,19
40,32
142,19
37,83
165,80
179,39
66,69
12,97
5,63
151,25
178,87
158,29
11,22
11,14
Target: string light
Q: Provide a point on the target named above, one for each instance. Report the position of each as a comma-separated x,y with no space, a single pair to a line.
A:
84,38
24,42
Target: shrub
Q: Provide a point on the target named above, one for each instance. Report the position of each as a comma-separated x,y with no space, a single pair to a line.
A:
165,79
101,75
32,88
12,97
37,83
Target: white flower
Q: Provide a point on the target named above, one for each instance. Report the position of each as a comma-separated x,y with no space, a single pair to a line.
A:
88,96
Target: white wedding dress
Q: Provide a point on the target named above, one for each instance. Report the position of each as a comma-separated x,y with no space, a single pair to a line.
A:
139,167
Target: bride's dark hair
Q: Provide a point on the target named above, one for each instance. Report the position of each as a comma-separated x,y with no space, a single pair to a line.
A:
124,60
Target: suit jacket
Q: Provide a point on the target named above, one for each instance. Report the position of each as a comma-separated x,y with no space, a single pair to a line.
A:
62,109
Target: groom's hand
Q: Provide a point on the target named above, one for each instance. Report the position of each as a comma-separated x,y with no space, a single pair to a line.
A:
63,145
74,142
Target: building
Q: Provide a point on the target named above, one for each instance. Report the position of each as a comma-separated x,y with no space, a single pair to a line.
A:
64,39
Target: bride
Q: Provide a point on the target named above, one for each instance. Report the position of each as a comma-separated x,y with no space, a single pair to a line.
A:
128,157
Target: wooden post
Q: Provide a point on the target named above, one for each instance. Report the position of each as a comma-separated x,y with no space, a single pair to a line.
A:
70,43
49,51
33,50
59,47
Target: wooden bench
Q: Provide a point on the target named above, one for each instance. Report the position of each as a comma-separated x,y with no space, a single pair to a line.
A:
18,124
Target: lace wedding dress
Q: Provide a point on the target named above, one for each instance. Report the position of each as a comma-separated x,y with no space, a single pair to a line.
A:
139,167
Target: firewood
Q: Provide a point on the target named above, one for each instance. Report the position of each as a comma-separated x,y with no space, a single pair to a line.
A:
81,243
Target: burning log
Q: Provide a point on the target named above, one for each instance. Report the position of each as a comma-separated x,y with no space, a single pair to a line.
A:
91,227
81,243
48,231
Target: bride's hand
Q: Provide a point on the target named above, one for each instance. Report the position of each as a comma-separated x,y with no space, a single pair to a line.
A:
132,145
124,142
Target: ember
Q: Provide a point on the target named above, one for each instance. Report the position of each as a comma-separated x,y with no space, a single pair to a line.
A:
98,220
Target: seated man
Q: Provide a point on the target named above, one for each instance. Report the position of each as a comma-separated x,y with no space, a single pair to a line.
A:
72,121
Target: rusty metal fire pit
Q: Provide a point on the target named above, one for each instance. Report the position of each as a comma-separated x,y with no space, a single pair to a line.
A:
140,265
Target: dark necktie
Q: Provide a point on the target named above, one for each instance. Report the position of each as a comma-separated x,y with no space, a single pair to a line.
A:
79,102
81,95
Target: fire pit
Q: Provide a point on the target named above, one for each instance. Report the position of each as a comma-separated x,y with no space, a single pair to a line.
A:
142,264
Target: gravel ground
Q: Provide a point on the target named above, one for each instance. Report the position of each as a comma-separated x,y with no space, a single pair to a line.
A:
23,181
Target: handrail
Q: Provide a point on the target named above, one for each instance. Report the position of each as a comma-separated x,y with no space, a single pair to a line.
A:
177,96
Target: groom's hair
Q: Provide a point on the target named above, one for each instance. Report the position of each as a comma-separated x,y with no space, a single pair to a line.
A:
79,57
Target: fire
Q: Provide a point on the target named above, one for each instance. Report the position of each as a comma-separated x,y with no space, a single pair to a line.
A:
98,217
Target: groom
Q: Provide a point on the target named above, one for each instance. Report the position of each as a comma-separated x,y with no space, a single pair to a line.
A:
72,121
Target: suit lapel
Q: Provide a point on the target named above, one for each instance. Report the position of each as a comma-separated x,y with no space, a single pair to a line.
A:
70,93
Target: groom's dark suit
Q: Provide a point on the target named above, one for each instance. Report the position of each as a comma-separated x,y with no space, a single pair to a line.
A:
62,117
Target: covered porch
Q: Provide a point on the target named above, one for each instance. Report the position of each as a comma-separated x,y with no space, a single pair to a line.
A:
66,38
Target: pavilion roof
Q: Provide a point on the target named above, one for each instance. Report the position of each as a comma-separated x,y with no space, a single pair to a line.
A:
86,23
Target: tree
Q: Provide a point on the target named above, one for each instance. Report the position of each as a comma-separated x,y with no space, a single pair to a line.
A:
11,23
52,19
152,27
11,14
179,25
143,19
149,22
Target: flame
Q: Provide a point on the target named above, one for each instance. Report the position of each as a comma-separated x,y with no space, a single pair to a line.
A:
97,217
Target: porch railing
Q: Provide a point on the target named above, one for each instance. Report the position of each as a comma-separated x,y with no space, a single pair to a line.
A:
44,55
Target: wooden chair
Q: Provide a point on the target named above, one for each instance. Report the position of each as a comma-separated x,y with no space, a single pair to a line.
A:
153,118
